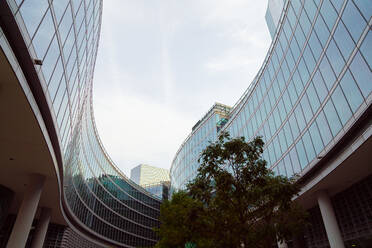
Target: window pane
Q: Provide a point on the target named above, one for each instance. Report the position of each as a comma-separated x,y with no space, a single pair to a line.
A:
276,90
65,25
271,153
351,91
285,70
366,48
319,85
290,61
297,82
341,105
283,141
302,69
295,49
300,36
32,15
278,151
68,44
296,6
333,120
267,130
315,45
344,40
309,59
272,124
291,16
306,108
308,146
280,80
283,41
294,127
59,8
288,134
60,95
313,98
287,101
288,165
317,3
295,162
55,79
301,154
43,35
315,136
310,9
300,118
281,169
50,59
362,74
305,23
292,92
329,14
321,30
278,122
365,7
287,29
337,4
335,57
281,108
327,73
353,20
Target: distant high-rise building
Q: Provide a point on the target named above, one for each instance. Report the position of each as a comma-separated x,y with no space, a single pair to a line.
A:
160,189
153,179
144,174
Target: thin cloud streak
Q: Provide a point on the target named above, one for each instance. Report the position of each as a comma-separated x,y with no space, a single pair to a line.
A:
162,64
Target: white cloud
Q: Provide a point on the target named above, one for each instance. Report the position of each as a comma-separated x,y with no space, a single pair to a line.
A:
137,131
162,64
231,60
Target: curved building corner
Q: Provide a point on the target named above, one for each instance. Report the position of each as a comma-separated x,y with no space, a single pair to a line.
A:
311,102
58,186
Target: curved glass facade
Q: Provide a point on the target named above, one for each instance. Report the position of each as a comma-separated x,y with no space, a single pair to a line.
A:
204,130
314,84
62,40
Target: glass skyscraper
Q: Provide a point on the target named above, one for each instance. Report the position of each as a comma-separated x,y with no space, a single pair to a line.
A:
311,103
48,54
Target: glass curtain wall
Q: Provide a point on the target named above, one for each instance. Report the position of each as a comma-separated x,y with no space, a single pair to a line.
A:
62,37
313,85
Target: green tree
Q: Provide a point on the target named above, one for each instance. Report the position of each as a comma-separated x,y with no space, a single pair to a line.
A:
181,219
240,203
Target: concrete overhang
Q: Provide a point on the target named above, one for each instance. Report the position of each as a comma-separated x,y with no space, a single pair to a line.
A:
350,163
24,148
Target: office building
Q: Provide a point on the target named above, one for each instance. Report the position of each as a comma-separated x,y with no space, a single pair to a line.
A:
144,174
59,187
160,189
153,179
311,103
185,165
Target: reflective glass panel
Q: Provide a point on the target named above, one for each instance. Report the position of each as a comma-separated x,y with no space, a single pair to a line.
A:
332,117
351,90
353,20
362,74
341,105
366,48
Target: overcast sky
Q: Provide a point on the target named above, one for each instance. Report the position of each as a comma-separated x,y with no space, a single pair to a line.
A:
163,63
